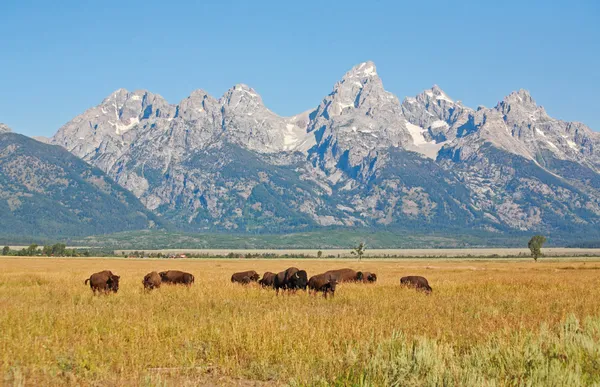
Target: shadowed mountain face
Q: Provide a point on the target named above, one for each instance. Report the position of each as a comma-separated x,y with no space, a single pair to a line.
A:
361,158
46,191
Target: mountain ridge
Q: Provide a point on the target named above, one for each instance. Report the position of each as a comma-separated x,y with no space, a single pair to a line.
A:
47,192
353,138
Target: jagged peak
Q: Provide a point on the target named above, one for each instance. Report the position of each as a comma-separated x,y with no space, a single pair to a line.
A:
4,128
362,70
521,97
199,93
436,92
119,92
242,88
243,91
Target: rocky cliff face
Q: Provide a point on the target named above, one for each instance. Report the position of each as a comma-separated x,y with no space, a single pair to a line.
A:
360,158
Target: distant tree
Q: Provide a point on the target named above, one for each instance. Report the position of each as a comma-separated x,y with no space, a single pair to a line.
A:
319,254
47,250
58,249
31,250
359,250
5,250
535,245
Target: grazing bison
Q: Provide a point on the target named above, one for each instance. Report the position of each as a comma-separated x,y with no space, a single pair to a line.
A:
152,281
290,279
345,275
322,283
298,280
417,282
103,281
369,277
176,277
268,279
245,277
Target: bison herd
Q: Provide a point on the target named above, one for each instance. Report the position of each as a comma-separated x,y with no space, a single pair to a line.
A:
290,280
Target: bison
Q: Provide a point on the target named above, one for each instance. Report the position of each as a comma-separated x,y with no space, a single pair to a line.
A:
290,279
417,282
368,277
322,283
152,281
176,277
345,275
245,277
268,279
103,281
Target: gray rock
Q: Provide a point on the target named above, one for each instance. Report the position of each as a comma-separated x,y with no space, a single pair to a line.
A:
4,128
360,158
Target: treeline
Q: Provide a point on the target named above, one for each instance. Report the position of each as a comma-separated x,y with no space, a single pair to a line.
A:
55,250
143,254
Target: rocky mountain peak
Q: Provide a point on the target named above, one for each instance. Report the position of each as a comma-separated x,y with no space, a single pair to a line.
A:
439,94
117,95
359,158
196,106
199,93
521,97
434,95
241,99
520,106
362,70
241,92
4,128
360,88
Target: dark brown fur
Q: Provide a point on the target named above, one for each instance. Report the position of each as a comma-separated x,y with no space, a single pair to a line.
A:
268,279
103,281
245,277
176,277
369,277
290,279
417,282
345,275
322,283
152,281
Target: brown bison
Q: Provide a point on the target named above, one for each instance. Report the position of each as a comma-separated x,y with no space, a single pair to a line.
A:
103,281
152,281
345,275
322,283
291,279
417,282
245,277
268,279
176,277
368,277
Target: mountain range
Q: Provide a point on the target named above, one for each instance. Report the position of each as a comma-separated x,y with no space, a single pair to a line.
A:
360,159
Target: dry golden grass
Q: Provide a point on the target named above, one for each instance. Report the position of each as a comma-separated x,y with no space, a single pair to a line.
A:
487,322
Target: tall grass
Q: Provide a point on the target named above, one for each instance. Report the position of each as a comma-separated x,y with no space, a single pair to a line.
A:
486,323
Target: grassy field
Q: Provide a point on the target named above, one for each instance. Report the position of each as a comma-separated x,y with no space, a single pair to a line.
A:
501,322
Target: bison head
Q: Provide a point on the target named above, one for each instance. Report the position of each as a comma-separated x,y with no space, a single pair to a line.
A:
359,276
372,277
254,277
332,284
299,280
113,283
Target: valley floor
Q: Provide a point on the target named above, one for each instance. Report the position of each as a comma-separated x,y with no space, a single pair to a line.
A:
487,322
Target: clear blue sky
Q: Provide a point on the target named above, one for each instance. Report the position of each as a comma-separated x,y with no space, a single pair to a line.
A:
59,58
